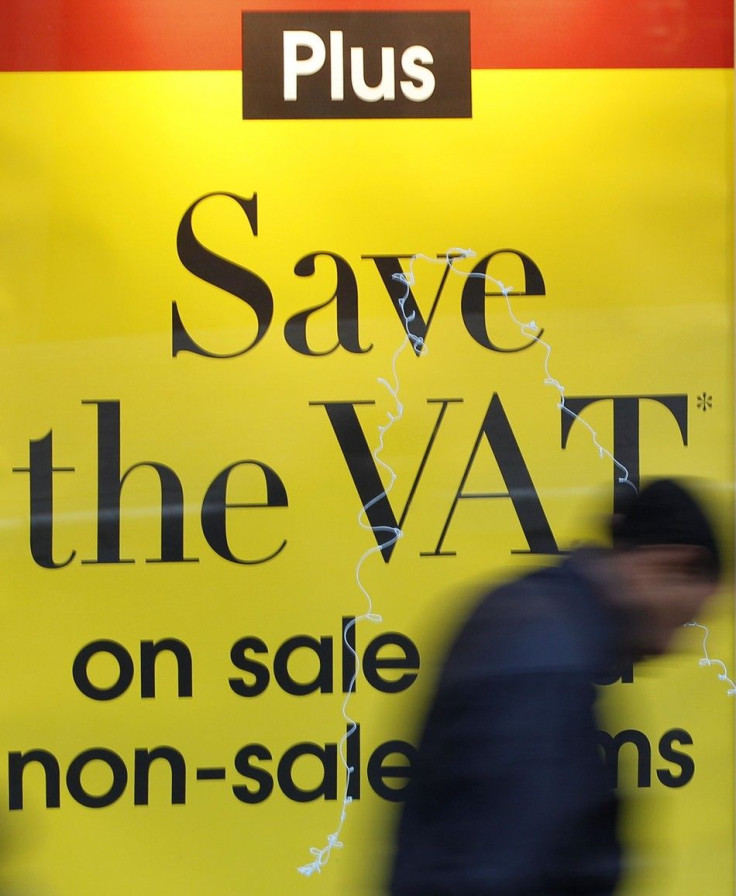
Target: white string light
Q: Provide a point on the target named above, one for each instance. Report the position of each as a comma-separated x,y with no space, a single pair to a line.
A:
530,330
707,660
392,535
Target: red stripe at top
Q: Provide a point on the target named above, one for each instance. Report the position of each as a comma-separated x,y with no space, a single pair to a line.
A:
122,35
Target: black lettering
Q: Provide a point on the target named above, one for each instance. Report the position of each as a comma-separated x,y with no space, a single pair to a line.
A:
349,668
216,504
372,662
109,487
352,758
473,301
260,673
224,274
622,672
117,785
378,772
497,431
611,747
17,763
626,431
685,763
362,468
143,761
322,681
400,293
327,758
150,651
345,298
41,471
81,675
261,777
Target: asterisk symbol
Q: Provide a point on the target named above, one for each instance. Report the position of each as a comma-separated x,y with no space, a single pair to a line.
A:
705,401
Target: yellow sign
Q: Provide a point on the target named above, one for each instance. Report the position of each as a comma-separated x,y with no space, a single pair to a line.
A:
197,314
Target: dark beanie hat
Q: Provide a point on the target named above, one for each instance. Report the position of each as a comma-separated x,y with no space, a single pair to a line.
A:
664,512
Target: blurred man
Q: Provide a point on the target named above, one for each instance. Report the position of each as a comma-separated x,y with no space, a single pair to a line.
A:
510,796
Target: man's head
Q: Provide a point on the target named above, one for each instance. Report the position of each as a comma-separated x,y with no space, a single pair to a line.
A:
667,563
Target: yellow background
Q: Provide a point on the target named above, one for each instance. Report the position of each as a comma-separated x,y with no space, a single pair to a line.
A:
617,183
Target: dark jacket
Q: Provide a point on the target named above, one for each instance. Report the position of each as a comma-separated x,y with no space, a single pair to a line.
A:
510,796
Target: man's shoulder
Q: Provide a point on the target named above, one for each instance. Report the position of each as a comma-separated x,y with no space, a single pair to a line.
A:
547,620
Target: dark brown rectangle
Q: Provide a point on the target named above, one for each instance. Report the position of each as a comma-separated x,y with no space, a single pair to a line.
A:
356,65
